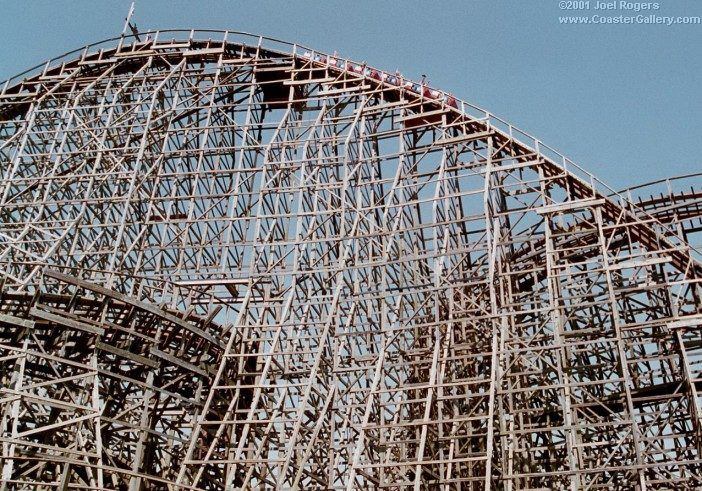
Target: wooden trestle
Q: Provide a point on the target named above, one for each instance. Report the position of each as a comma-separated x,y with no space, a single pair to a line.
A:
229,262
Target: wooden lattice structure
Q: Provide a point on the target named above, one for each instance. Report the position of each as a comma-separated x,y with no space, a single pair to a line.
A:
231,262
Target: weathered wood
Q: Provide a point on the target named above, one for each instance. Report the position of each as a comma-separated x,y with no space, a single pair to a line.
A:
227,266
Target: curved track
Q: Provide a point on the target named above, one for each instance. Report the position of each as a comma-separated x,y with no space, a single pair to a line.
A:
230,262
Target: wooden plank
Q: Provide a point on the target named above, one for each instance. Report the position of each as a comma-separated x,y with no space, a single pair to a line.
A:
237,61
309,81
64,321
383,107
466,138
639,263
691,321
16,321
126,354
203,52
177,361
104,61
570,205
135,54
343,90
136,303
214,282
169,46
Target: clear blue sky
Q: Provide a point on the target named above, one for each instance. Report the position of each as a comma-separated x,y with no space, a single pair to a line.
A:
624,101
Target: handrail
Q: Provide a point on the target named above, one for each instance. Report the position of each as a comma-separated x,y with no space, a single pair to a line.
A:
659,181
